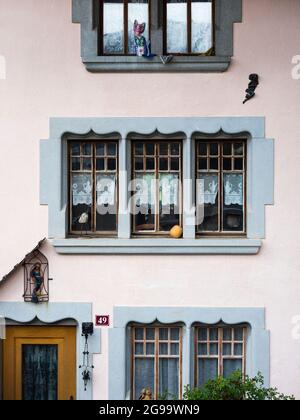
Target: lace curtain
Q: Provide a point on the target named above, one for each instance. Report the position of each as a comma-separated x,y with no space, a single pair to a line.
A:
82,189
233,189
106,190
208,188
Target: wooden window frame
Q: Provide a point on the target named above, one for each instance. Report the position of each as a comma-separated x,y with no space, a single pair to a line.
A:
157,357
189,52
125,29
93,172
220,342
157,171
221,172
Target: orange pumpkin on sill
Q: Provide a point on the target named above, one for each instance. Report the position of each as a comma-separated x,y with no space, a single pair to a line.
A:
176,232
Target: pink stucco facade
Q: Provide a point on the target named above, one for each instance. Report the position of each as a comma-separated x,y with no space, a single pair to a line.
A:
45,78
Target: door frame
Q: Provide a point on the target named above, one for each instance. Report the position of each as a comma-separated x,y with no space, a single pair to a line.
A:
52,313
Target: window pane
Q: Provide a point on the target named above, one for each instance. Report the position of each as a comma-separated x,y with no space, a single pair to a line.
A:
202,149
144,375
175,334
214,164
202,350
213,334
169,204
144,199
227,334
39,372
214,149
230,366
82,199
233,206
150,334
227,164
207,369
213,349
202,26
111,164
164,164
150,149
87,149
238,149
203,164
138,10
75,164
208,203
238,164
87,164
150,349
175,149
227,350
111,149
75,149
139,349
238,349
163,334
163,349
227,149
106,208
174,349
139,333
100,164
238,334
177,27
139,164
164,149
150,164
139,149
113,27
202,335
169,378
100,149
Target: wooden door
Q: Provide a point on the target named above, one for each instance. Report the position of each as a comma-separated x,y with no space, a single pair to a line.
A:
39,363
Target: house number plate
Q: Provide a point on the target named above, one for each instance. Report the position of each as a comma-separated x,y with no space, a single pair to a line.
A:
102,320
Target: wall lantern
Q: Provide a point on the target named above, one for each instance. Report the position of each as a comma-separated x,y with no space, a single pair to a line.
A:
87,331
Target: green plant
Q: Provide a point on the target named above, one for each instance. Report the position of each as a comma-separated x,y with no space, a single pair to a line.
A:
235,388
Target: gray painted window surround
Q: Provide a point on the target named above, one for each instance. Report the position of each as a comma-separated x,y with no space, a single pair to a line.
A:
258,343
53,313
54,184
227,13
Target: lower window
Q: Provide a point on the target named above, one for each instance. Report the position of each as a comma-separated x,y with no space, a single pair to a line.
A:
219,351
156,362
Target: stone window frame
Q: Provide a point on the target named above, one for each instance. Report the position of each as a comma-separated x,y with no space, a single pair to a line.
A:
226,14
54,182
257,351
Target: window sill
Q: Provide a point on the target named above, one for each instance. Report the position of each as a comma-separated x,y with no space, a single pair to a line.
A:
158,246
203,64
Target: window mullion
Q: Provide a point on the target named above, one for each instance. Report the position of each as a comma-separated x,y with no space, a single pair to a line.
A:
125,27
156,382
189,26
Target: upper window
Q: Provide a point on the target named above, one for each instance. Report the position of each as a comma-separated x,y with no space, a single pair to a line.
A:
157,186
93,174
156,362
157,35
189,27
219,351
221,184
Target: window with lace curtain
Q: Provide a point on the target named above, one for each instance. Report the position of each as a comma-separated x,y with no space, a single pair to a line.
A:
219,351
221,187
93,187
156,362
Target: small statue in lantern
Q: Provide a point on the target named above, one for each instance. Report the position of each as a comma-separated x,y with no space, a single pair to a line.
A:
38,280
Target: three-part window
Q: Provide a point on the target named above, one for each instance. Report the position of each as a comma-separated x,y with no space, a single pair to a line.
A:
157,352
157,187
178,27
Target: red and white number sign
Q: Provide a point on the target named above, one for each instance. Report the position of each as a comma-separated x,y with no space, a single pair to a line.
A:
102,320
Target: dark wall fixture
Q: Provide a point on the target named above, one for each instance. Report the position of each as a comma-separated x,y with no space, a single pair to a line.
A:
87,331
254,82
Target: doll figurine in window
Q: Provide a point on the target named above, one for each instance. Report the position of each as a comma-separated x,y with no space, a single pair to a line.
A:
141,46
38,280
146,394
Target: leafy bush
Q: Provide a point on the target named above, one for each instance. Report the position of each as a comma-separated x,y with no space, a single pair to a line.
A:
235,388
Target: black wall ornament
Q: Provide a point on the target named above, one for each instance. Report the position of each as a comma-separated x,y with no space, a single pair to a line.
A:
87,330
254,82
